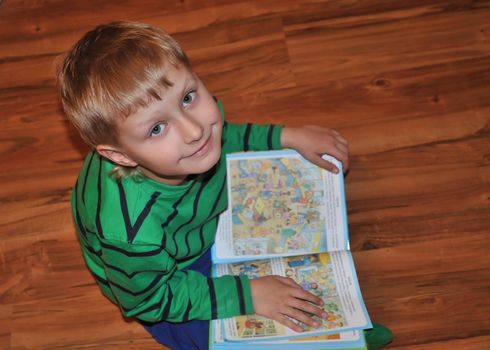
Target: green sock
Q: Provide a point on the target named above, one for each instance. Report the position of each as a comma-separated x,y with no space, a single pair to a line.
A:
378,337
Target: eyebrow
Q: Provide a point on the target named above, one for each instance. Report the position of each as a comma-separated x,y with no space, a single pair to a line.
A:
147,122
188,81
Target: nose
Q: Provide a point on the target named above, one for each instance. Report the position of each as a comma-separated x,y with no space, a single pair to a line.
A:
190,129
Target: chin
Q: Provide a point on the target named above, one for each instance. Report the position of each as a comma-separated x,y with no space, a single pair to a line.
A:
212,161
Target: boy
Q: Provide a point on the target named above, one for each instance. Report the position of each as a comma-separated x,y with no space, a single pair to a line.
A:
147,200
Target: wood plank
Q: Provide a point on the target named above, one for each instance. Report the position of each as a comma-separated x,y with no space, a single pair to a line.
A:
473,343
407,82
428,287
399,44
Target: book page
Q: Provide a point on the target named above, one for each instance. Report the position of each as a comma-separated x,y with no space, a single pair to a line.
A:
280,205
349,339
330,276
338,339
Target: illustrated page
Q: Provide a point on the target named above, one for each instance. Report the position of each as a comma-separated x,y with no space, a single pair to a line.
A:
349,339
280,205
330,276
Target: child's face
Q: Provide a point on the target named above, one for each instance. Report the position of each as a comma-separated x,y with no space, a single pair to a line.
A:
175,137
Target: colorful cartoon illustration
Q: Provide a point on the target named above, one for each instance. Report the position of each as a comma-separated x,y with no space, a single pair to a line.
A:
314,274
253,326
253,269
277,206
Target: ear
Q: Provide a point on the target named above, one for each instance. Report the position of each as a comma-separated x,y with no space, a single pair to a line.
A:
116,155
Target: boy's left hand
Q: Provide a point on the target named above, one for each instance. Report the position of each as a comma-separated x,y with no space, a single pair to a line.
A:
314,141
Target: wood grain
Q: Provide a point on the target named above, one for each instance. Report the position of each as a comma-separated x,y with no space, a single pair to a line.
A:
407,82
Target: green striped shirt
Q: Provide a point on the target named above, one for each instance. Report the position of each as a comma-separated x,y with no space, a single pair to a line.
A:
137,235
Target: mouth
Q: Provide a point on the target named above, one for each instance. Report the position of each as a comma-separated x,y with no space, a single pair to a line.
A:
203,149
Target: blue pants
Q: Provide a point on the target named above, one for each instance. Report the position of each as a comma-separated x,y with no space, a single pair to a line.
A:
186,335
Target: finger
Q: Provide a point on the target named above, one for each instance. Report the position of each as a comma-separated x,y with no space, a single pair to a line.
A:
344,158
290,282
303,295
309,308
302,317
341,139
340,153
283,319
338,135
329,166
342,147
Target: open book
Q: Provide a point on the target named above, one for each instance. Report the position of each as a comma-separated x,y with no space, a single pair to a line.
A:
353,340
287,217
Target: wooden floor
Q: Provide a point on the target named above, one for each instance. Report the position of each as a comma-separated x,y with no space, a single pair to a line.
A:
407,82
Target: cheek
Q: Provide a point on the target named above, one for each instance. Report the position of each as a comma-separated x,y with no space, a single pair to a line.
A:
212,112
218,130
161,152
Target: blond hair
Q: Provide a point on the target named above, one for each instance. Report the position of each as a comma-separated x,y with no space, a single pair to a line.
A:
112,71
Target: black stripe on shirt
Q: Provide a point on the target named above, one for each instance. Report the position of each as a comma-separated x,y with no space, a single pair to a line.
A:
154,306
97,253
148,309
246,137
79,223
166,310
223,185
201,237
187,311
124,210
175,205
152,284
173,215
131,230
131,254
144,213
187,245
269,137
212,299
99,200
100,280
204,182
125,273
241,300
86,176
91,250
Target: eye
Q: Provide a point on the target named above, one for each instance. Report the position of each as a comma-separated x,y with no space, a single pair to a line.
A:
157,130
188,98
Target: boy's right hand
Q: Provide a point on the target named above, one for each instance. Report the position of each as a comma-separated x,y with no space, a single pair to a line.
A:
277,297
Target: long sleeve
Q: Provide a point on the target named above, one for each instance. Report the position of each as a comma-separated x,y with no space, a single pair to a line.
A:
138,235
146,283
250,137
